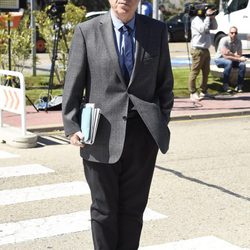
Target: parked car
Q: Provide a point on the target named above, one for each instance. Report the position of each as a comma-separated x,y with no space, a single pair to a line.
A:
176,28
93,14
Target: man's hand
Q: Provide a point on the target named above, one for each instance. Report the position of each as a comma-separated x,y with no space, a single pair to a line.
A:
242,59
76,139
210,12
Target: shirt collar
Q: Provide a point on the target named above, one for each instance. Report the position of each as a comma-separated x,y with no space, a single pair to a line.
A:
118,23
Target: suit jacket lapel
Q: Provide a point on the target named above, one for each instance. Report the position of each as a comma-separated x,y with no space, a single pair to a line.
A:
106,28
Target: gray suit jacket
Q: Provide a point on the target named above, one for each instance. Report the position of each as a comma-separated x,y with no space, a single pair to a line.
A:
94,71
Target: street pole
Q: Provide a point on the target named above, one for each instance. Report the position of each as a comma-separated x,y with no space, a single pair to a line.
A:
139,8
9,41
155,9
33,38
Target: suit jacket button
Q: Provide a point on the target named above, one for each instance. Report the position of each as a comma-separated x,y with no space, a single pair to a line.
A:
124,118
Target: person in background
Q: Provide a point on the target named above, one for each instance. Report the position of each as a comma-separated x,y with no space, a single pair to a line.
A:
228,56
162,12
121,62
200,43
146,8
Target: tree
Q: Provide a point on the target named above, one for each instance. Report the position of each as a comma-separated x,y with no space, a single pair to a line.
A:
20,45
92,5
46,24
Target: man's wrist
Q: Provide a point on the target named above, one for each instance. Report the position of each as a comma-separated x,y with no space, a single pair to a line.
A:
78,133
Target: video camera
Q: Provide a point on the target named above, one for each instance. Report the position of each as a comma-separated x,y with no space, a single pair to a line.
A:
57,8
12,5
199,9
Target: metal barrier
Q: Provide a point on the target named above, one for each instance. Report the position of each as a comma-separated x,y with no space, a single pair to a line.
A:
13,99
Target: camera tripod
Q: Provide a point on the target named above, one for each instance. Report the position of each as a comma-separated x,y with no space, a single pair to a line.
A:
58,34
186,27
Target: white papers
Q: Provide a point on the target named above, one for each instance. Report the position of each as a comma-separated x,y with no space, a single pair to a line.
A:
89,122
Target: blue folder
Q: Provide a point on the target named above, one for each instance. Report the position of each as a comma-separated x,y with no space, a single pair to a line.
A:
89,122
86,122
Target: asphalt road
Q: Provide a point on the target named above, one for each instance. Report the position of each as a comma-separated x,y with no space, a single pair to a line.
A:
199,200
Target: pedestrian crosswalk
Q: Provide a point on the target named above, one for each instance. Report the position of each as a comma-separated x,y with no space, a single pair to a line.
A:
31,229
18,231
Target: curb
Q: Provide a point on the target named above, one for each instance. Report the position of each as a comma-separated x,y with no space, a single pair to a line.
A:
46,129
207,116
13,136
59,127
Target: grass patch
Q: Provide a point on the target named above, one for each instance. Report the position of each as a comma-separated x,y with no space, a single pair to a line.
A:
36,81
181,76
37,86
35,94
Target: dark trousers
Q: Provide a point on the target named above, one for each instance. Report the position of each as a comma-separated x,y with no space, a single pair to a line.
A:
120,191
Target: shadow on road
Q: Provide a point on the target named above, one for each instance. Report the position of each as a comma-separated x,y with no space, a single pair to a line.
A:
224,190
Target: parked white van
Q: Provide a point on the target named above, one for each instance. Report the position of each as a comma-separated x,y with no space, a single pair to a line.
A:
233,13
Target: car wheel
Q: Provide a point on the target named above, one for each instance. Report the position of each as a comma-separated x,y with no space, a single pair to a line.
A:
40,45
217,40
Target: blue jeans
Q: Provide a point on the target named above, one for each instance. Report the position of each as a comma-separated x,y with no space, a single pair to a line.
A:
228,65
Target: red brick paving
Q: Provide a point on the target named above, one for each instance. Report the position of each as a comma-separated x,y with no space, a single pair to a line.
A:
184,108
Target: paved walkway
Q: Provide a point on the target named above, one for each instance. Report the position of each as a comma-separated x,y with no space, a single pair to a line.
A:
184,108
221,105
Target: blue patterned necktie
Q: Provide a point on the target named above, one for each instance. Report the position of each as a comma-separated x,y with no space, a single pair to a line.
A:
127,52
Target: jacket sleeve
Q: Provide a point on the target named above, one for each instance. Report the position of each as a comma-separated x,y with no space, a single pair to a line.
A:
75,82
165,79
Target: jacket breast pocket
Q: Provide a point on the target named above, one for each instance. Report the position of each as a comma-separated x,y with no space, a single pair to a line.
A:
150,55
148,59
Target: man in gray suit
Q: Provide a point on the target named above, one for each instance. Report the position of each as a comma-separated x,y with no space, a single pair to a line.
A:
131,82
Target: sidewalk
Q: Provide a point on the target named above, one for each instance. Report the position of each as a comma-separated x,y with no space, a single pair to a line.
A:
184,109
220,106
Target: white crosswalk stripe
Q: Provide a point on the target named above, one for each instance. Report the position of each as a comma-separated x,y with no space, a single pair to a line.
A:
44,227
149,215
52,139
24,170
4,155
13,196
54,225
202,243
